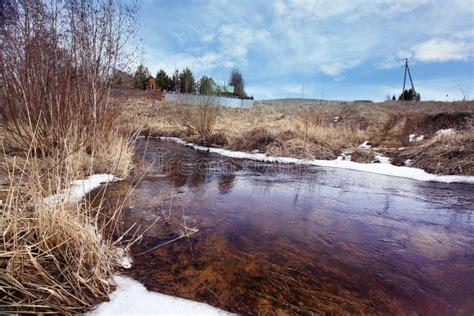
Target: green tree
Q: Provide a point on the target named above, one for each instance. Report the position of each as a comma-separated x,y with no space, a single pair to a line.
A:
187,83
163,81
237,81
140,76
409,95
205,85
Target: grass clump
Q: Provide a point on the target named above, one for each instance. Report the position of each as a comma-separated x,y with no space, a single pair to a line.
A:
59,125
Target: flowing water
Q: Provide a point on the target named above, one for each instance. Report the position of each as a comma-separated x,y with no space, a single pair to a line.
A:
279,239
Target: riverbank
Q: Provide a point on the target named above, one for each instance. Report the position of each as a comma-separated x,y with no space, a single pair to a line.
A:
57,251
437,137
382,167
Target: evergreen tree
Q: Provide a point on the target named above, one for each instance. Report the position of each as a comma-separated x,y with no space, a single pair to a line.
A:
205,85
237,81
163,81
409,95
187,83
140,76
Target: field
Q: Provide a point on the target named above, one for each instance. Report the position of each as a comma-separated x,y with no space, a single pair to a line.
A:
318,129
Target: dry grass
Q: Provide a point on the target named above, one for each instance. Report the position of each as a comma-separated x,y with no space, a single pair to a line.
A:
449,154
317,129
56,257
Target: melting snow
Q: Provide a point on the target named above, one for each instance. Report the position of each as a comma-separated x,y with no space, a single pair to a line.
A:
413,137
122,258
365,145
448,131
382,159
378,168
132,298
79,188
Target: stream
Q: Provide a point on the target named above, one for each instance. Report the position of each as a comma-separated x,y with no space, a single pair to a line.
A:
276,239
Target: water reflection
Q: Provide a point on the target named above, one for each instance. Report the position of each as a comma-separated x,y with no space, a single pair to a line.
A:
287,241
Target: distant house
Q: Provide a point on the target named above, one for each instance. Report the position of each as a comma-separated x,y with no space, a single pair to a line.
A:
150,84
221,89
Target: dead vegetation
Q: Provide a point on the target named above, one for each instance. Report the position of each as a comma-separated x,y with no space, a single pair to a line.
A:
318,129
57,126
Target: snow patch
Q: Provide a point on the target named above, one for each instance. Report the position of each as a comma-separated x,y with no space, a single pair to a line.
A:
122,258
365,145
336,119
382,159
132,298
412,138
378,168
79,188
408,162
445,132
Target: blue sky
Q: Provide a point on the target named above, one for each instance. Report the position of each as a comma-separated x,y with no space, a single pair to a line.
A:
339,49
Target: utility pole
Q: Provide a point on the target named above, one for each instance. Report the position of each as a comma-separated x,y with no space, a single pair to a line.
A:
407,70
302,92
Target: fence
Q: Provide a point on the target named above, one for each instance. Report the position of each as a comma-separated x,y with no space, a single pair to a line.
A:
200,99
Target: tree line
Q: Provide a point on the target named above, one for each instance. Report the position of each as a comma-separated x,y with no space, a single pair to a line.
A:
185,82
407,95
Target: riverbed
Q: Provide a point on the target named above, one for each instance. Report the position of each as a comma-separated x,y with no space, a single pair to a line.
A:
264,238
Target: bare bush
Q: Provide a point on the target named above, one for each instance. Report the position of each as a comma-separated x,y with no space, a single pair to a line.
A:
202,115
57,58
56,63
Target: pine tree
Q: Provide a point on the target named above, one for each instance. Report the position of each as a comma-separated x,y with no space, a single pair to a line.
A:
205,85
140,76
237,81
409,95
187,83
163,81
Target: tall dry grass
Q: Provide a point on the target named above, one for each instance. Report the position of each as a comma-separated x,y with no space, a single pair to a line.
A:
201,114
320,129
56,61
54,257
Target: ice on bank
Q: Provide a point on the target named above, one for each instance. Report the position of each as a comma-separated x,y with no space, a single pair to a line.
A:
79,188
132,298
377,168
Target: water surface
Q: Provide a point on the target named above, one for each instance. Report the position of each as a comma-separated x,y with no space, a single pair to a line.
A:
275,239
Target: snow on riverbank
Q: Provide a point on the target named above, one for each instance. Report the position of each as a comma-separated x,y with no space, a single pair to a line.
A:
132,298
378,168
79,188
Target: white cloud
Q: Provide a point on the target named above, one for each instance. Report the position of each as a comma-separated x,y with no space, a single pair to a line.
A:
280,7
207,38
333,69
440,50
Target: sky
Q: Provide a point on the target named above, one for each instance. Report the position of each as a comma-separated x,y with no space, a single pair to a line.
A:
325,49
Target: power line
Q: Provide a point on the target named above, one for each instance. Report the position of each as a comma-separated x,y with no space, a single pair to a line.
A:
407,70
